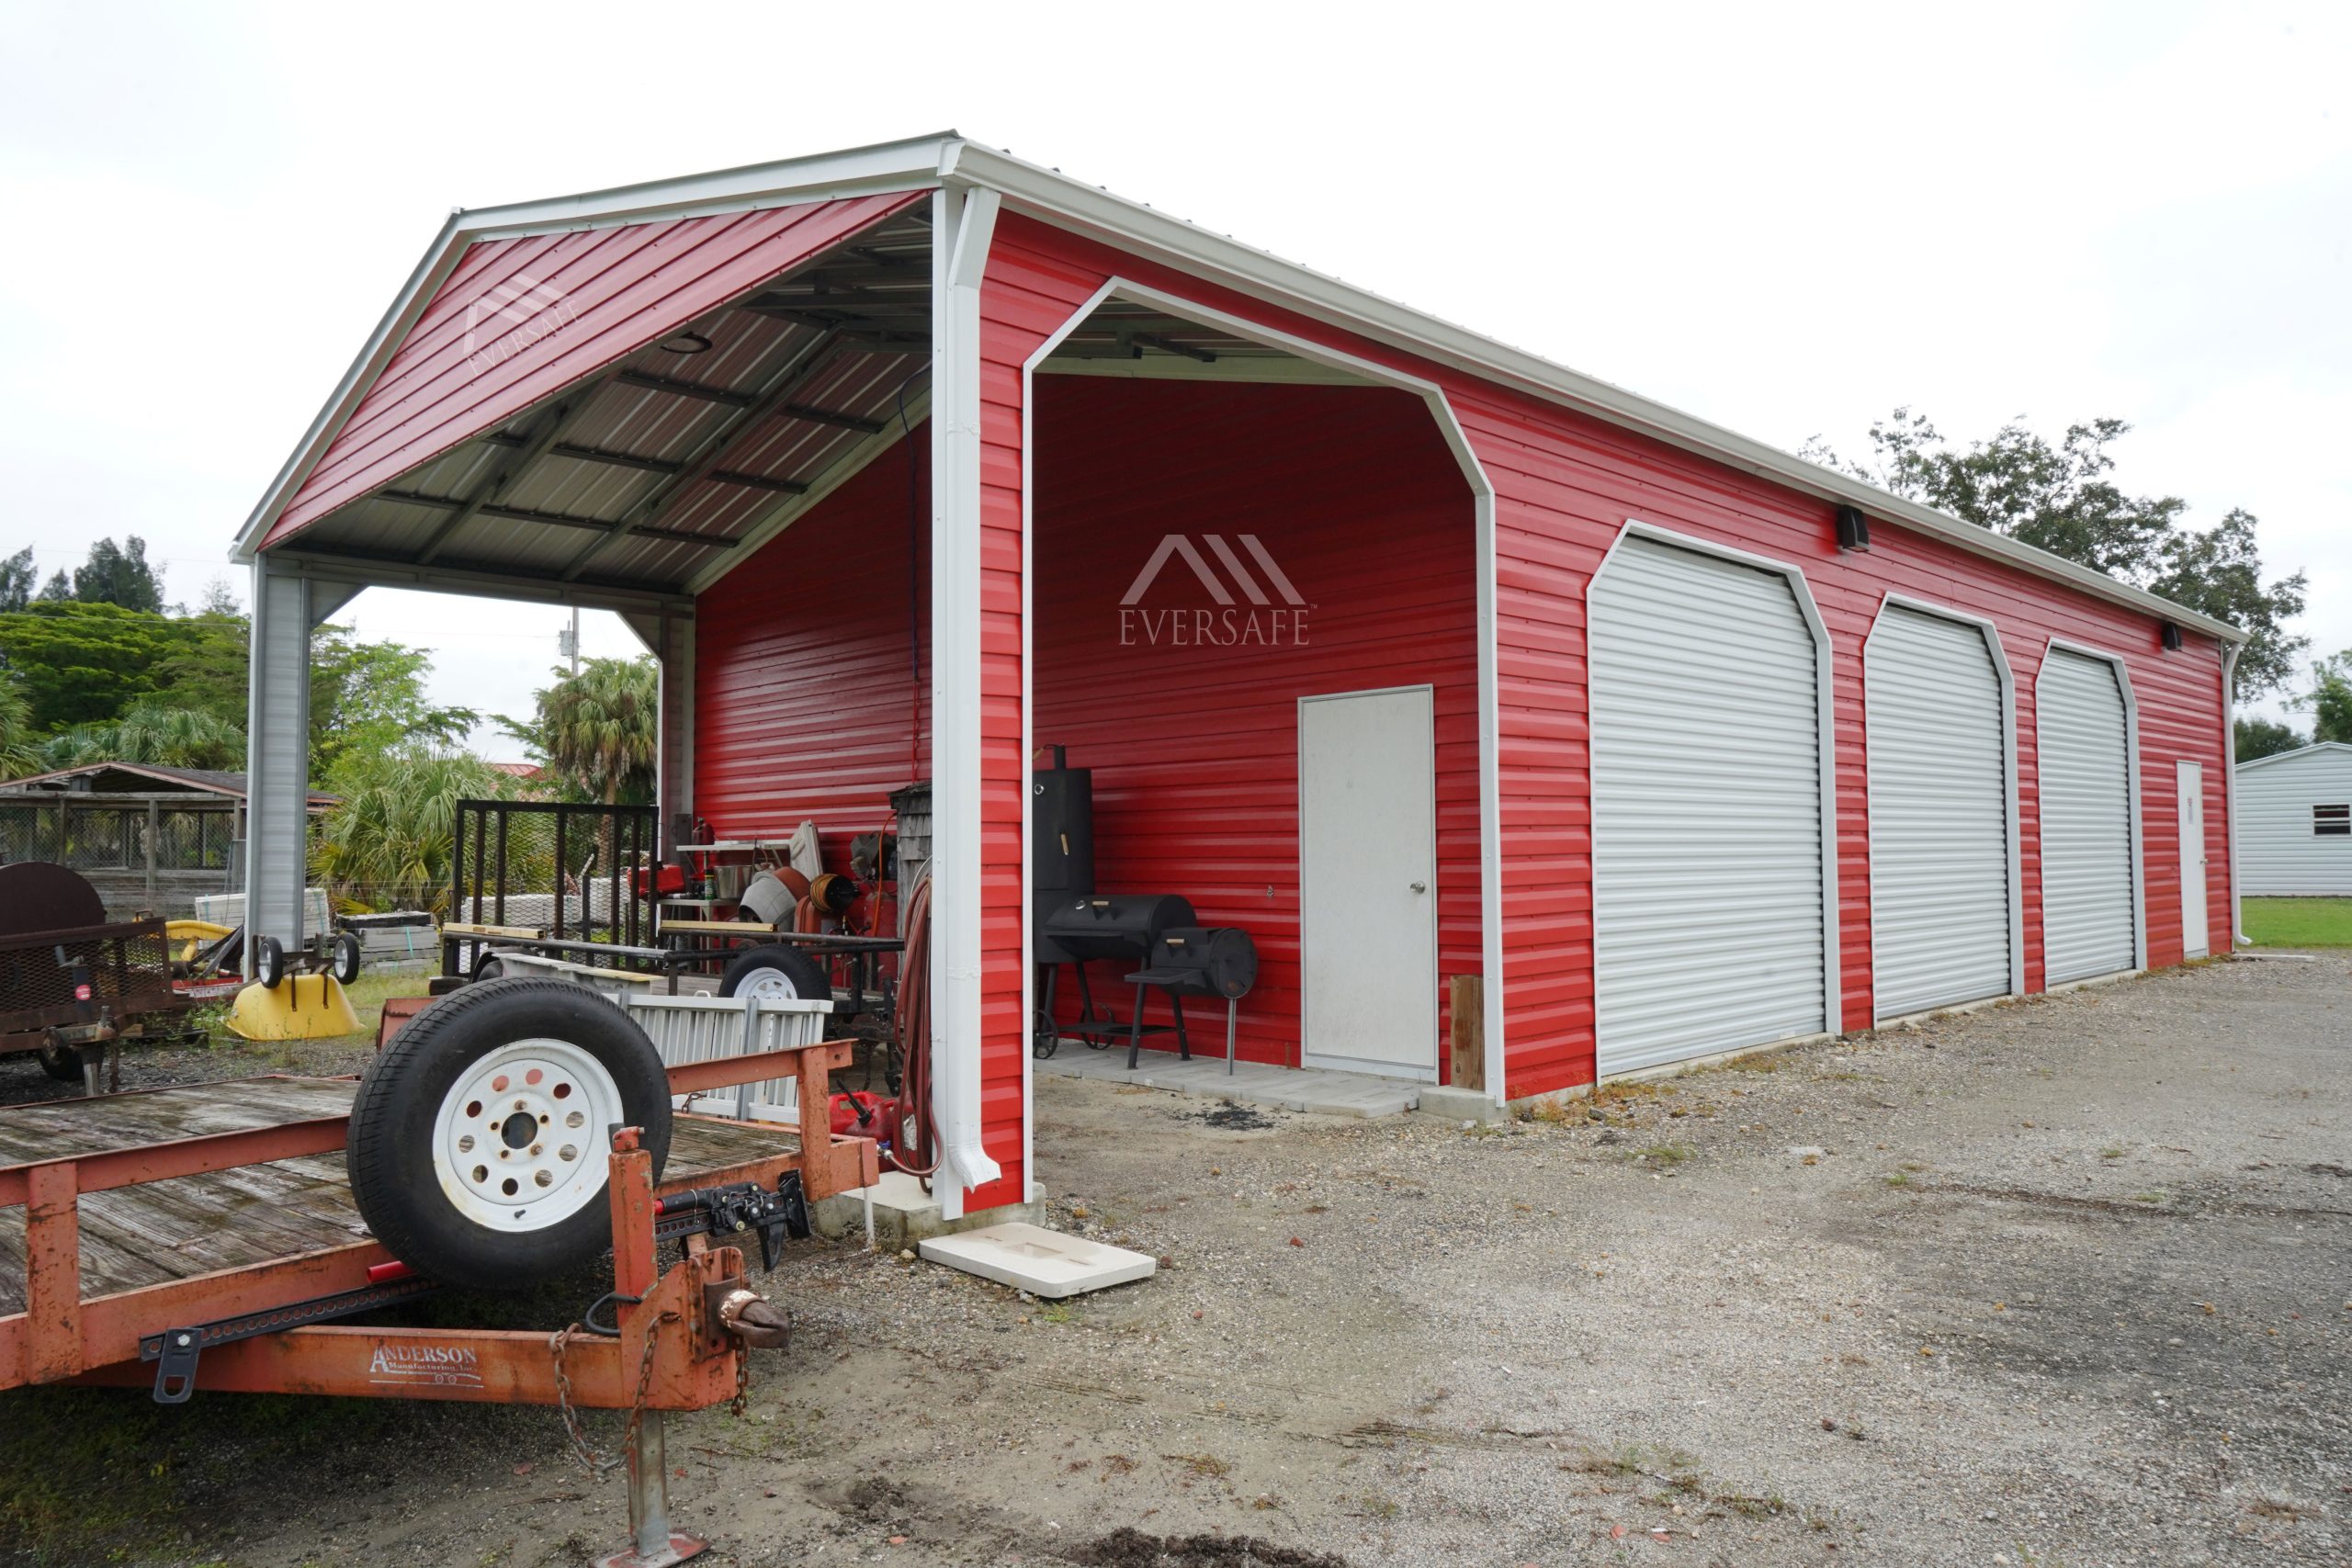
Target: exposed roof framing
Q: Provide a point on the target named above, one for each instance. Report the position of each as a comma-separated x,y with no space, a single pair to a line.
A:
661,465
873,291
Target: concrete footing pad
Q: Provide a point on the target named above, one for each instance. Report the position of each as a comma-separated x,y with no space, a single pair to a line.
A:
903,1213
1461,1105
1041,1262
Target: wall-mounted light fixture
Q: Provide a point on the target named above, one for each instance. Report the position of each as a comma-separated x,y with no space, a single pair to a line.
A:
1853,529
686,342
2172,637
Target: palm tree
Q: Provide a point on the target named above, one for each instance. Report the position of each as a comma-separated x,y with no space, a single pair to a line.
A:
387,844
601,728
152,732
18,754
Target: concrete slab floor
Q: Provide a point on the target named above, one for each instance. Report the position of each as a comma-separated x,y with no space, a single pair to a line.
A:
1318,1090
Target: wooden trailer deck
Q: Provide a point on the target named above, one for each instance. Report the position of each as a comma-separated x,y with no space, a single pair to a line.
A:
156,1232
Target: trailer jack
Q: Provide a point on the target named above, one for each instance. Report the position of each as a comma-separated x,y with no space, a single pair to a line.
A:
675,1339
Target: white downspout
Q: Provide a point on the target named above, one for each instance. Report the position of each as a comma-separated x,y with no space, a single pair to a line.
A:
963,223
2230,651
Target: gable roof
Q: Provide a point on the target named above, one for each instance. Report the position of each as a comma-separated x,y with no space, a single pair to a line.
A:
195,781
2298,751
949,158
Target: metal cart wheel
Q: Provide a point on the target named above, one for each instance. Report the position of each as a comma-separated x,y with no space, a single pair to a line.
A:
345,964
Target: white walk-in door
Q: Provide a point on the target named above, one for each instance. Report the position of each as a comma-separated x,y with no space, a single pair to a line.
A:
2189,777
1937,748
1367,869
2083,749
1708,926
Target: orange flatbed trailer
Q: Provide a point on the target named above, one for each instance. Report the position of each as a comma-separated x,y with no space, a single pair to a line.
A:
166,1233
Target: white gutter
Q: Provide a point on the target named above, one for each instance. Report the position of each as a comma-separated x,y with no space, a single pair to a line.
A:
2230,652
963,223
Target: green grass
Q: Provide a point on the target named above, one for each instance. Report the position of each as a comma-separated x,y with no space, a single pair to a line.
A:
2299,922
369,992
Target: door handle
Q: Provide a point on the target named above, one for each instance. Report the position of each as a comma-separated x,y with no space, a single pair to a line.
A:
1421,887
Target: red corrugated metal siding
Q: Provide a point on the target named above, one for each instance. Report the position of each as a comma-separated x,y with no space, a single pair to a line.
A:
803,696
805,707
518,319
1196,749
1564,485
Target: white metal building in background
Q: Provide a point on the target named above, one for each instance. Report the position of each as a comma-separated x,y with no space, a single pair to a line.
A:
2295,822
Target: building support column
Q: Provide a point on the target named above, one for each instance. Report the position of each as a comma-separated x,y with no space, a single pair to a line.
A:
962,224
674,785
278,756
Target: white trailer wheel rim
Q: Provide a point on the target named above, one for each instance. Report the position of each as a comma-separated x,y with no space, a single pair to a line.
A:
520,1142
768,985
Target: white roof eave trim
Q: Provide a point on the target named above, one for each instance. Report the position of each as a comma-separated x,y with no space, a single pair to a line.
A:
1067,203
892,165
1088,209
2304,750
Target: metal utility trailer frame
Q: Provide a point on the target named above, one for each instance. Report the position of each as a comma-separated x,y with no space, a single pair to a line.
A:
724,940
125,976
261,1323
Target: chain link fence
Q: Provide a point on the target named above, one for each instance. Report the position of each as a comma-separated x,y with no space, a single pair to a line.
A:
142,855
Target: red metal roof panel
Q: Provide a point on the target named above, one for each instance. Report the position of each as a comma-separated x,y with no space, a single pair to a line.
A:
518,319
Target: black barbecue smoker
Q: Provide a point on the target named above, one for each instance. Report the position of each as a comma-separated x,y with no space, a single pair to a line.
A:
1156,935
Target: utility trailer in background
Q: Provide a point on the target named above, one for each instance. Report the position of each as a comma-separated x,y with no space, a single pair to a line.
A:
72,982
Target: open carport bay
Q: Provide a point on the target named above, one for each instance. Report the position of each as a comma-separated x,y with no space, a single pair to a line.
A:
2064,1283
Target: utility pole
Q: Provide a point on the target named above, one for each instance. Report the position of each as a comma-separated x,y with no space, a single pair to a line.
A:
567,642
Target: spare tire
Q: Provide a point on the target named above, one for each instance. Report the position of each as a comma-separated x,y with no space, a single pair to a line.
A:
776,973
479,1133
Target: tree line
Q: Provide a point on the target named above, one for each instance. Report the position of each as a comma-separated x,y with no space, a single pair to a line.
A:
2063,497
97,666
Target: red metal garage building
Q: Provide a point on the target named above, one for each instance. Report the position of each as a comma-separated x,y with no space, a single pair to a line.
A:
1413,654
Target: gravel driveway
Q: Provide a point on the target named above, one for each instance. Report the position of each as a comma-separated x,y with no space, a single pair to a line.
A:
2062,1283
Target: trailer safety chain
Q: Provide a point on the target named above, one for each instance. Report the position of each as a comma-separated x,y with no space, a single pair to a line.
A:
596,1464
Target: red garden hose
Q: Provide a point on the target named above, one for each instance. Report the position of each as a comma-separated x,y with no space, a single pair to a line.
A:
917,1152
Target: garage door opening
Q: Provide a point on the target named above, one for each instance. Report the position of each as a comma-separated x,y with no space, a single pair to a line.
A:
1255,623
1940,745
2085,753
1713,923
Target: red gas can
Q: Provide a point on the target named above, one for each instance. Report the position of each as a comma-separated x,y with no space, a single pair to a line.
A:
865,1115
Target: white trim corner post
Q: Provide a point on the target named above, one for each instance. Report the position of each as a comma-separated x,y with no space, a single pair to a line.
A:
675,751
277,749
962,225
2230,651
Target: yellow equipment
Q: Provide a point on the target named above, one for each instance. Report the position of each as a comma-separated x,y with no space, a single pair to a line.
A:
187,936
300,1007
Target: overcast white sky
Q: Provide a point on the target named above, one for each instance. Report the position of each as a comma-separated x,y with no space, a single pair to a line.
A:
1788,218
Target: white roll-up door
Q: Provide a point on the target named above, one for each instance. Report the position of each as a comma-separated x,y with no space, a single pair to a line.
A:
1708,927
1938,812
2082,747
